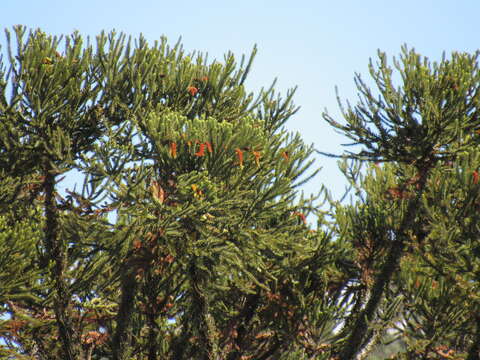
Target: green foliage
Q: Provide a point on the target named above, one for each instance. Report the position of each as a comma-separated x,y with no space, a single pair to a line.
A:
18,239
413,227
150,209
183,235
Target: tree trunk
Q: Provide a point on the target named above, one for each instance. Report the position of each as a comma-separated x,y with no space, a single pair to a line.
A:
122,337
56,252
356,340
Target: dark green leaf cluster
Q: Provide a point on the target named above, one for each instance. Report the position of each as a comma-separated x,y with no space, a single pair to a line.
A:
414,226
150,208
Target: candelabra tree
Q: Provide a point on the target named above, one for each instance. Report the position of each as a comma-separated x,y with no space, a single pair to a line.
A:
161,215
414,216
150,209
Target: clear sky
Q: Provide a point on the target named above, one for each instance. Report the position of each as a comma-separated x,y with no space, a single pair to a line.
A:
316,45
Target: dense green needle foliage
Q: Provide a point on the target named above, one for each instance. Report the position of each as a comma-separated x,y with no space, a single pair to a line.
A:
150,209
414,225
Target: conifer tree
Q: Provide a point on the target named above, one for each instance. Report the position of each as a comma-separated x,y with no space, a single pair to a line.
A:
413,225
165,218
150,209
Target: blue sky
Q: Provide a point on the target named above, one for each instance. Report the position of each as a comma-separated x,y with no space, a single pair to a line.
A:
316,45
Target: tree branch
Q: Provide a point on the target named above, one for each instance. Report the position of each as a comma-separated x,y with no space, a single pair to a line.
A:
360,328
56,252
